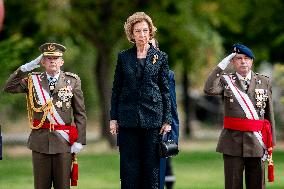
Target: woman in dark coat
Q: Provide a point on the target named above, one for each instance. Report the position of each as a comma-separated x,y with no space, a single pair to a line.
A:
140,105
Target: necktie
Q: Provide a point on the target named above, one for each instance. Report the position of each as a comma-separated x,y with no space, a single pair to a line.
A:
246,84
52,82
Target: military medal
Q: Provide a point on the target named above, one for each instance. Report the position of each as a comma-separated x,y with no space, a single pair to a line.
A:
261,97
58,104
262,111
68,104
65,94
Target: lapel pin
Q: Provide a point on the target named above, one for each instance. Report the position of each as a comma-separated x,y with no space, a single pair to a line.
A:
155,58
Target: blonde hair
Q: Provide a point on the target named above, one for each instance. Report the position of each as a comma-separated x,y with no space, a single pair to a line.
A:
135,18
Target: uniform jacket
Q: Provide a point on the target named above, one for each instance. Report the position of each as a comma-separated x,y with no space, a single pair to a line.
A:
43,140
237,143
149,102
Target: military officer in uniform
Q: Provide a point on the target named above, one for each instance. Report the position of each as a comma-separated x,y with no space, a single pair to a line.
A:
54,99
248,135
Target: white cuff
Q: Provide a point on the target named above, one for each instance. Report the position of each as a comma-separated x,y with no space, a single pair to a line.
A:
76,147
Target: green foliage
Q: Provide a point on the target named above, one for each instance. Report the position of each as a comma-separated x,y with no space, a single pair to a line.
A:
254,23
12,49
193,33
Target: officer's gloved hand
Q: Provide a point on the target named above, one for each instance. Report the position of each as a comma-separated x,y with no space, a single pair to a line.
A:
32,64
226,61
76,147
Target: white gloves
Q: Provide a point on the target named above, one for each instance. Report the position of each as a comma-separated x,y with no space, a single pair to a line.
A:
226,61
32,64
76,147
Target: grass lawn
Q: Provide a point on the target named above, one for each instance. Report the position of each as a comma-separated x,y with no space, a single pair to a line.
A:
194,170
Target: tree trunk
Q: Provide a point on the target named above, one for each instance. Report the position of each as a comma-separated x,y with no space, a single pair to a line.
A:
102,73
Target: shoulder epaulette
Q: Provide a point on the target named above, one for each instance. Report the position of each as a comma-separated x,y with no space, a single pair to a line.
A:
36,73
72,74
262,75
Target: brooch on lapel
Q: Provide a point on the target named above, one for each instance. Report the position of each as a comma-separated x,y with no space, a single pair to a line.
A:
155,58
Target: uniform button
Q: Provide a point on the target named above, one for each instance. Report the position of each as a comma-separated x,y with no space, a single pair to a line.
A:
218,75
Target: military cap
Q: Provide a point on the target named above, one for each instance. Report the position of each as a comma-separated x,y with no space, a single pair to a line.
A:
242,49
52,49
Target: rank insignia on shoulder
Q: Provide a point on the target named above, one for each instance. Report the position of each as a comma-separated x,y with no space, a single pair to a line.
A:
36,73
265,75
72,74
25,80
262,75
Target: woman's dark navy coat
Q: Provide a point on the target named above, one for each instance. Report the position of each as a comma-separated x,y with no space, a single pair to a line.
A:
147,101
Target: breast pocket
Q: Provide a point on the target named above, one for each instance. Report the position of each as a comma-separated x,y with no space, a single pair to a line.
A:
229,99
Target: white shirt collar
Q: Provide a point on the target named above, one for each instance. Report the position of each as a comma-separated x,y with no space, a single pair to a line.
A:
56,76
247,78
